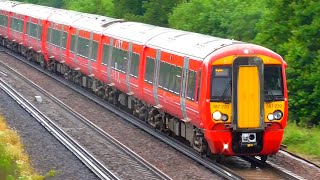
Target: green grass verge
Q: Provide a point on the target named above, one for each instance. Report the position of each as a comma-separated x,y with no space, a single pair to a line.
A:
14,163
302,140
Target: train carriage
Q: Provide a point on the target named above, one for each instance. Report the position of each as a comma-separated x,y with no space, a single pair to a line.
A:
222,96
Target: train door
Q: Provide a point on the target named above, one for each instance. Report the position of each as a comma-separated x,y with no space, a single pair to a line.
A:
247,93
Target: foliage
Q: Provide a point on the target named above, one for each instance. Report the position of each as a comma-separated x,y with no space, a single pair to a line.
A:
302,140
101,7
234,19
294,33
147,11
14,163
52,3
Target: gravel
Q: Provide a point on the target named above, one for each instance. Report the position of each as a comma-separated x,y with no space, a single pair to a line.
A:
46,153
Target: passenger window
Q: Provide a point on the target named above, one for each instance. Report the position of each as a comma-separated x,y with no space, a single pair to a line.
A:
17,24
73,42
135,64
198,85
119,59
94,50
64,39
105,54
164,75
149,70
3,20
83,47
191,85
175,79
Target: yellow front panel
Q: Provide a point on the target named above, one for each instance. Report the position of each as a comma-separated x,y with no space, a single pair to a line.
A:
223,108
270,107
248,97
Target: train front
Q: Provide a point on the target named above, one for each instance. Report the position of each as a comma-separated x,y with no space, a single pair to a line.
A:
248,106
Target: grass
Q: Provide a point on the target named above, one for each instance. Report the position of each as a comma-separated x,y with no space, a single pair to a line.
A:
303,141
14,163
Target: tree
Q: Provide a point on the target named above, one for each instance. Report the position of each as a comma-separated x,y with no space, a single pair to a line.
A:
51,3
156,12
128,8
101,7
292,29
233,19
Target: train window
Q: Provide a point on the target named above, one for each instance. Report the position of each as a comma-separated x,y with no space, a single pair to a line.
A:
56,37
175,79
115,52
221,84
273,83
39,32
73,42
122,60
94,50
83,47
149,70
198,85
119,59
191,85
164,75
135,64
3,20
105,54
34,30
17,24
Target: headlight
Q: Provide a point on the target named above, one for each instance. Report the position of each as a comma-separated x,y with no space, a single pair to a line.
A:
217,115
224,117
277,114
270,117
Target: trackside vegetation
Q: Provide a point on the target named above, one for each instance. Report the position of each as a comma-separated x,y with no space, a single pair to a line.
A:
303,141
14,163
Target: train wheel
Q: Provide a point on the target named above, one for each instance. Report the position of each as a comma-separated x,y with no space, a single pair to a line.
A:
263,158
43,63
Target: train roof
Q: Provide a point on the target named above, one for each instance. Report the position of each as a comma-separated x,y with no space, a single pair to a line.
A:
182,42
36,11
96,23
135,32
189,44
7,5
65,17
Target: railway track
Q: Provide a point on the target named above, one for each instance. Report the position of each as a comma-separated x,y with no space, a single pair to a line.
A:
216,167
92,163
144,168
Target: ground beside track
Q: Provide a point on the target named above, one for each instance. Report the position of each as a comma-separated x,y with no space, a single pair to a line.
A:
45,151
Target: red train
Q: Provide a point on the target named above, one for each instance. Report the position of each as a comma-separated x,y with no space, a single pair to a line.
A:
223,96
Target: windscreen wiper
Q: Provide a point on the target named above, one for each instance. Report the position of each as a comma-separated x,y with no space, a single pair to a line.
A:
226,89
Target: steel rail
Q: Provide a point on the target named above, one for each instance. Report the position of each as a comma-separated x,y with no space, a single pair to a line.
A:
105,135
92,163
268,164
189,152
284,151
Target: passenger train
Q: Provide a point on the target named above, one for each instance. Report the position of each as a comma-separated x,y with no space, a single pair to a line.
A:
224,97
